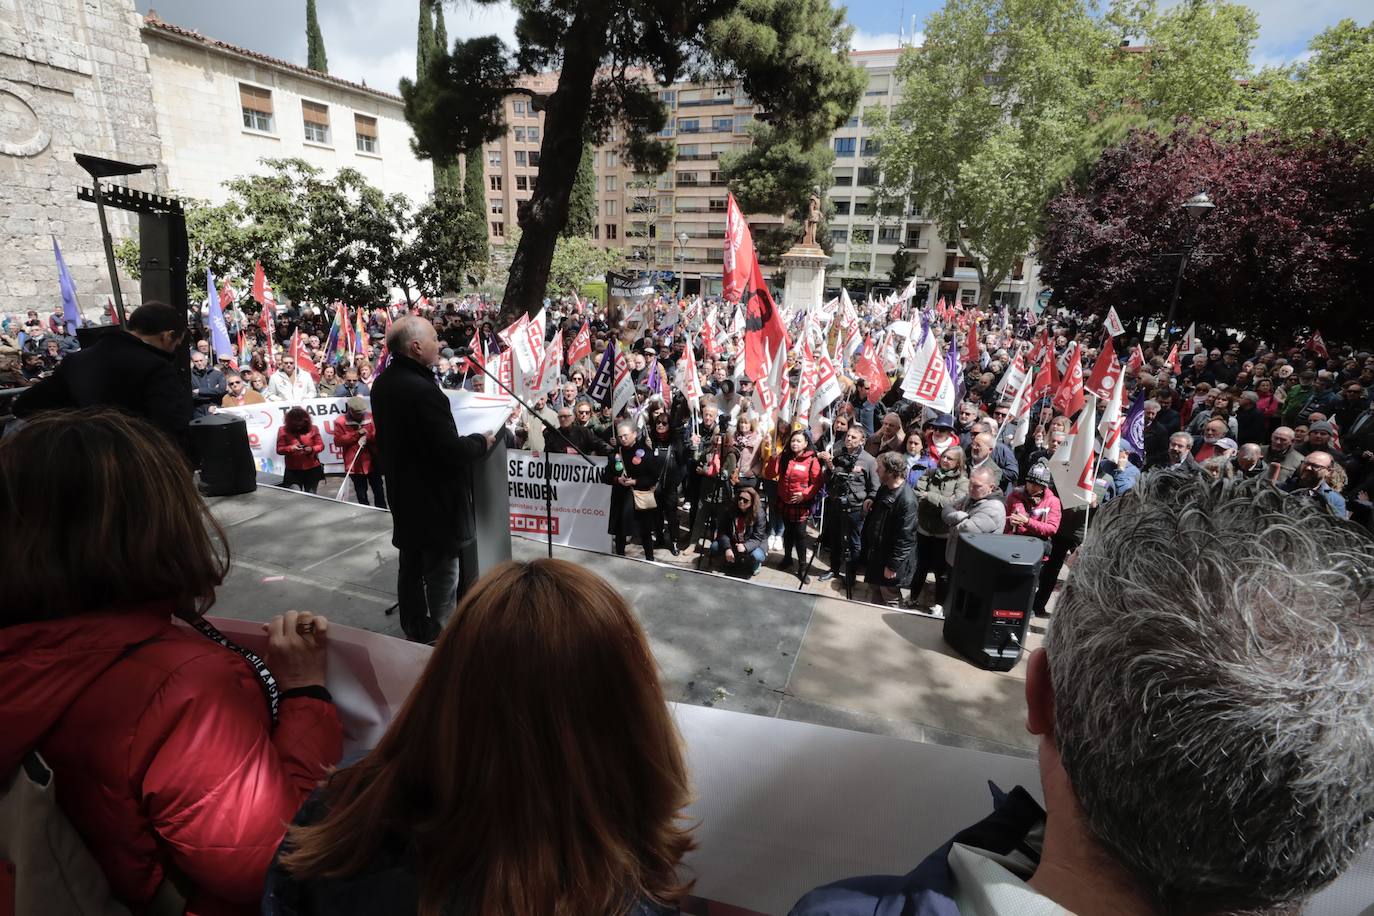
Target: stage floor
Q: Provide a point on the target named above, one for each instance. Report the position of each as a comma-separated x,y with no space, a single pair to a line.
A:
720,642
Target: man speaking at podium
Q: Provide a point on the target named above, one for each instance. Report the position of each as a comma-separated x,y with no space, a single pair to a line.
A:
426,466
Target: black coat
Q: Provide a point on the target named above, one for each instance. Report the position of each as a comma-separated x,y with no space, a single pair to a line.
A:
641,466
889,536
427,465
119,371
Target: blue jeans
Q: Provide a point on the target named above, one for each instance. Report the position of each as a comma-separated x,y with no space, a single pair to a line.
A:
749,562
770,495
427,590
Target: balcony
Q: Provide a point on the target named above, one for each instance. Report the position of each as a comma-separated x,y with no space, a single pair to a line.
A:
697,157
960,273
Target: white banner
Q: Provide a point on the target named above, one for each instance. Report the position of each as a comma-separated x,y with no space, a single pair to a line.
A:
473,412
581,502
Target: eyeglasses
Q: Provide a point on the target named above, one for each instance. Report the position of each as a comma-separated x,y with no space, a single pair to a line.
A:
743,499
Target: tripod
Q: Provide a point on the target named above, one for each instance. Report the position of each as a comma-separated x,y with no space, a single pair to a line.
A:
548,463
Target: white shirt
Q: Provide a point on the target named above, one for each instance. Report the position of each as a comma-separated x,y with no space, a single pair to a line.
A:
985,887
281,388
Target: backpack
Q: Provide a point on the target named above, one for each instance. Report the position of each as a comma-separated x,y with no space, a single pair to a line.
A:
45,867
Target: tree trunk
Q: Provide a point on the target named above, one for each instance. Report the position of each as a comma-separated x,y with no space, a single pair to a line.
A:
544,215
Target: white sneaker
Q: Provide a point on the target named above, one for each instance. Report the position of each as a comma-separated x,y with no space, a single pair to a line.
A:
937,611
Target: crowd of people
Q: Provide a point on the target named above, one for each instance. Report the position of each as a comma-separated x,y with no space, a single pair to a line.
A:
1208,752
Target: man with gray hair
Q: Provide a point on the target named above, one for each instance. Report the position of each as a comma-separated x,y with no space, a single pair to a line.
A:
1210,751
980,512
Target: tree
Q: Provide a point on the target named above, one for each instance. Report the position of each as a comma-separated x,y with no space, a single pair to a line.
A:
989,108
431,42
440,251
314,40
777,173
582,201
789,56
474,230
903,266
576,259
1331,90
1286,248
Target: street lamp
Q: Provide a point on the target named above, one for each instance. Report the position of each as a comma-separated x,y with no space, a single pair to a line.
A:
682,240
1197,208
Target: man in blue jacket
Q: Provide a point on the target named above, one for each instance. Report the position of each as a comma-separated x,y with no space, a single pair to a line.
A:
1205,742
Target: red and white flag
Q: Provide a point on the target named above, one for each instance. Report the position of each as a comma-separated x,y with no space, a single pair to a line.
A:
927,380
1068,399
1113,323
1189,343
1019,412
1073,464
1172,362
827,386
688,381
1107,369
709,345
302,356
1136,362
1317,345
765,336
1112,420
867,367
581,347
546,378
739,258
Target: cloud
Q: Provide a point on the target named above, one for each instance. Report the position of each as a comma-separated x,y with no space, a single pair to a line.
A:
876,41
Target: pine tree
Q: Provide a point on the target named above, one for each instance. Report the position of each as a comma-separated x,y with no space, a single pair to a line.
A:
582,203
314,40
440,31
475,199
424,41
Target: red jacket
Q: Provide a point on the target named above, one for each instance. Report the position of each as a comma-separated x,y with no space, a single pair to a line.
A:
799,476
300,461
167,753
1042,524
346,437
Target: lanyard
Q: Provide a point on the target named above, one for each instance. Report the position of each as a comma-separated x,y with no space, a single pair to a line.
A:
271,692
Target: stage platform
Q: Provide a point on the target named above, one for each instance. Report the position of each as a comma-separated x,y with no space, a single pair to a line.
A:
720,642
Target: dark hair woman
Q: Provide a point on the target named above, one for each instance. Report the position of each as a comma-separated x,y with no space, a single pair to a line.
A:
560,793
741,534
300,442
174,751
668,448
800,475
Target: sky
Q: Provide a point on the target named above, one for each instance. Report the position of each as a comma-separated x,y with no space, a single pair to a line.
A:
375,42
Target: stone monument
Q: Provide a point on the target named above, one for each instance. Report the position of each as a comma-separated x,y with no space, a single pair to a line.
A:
804,265
73,79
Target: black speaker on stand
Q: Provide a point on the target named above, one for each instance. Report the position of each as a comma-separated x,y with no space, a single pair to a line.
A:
226,461
991,595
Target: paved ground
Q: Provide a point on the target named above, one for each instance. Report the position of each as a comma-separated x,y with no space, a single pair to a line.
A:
762,647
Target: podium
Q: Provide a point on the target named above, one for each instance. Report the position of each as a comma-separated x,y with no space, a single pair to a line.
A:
491,511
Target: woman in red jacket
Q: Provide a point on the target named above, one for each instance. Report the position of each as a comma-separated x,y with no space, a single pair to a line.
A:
800,475
177,756
300,442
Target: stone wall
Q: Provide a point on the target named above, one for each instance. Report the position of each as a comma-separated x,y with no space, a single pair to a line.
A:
74,77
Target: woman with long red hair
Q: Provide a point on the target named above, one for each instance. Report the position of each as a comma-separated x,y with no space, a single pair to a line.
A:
534,769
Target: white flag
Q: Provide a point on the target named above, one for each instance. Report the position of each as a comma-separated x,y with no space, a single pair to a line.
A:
1189,344
1072,464
927,379
1113,323
827,387
1112,418
545,378
688,381
1019,412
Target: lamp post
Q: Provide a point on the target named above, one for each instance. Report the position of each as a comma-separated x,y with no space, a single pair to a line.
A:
682,240
1197,208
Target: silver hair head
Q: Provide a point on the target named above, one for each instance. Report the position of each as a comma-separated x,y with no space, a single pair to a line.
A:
1151,403
402,331
1215,720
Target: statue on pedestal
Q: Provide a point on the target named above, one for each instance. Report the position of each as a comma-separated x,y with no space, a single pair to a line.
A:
813,220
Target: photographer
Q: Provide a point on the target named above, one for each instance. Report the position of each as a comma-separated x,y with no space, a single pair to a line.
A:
853,484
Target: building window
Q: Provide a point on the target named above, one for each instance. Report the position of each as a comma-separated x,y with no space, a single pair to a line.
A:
612,208
612,160
873,92
742,122
689,125
872,145
498,206
839,236
518,134
257,107
867,175
844,146
498,230
863,208
534,134
534,158
365,130
913,238
890,234
688,179
668,97
522,182
841,208
316,118
723,124
612,183
596,231
844,181
611,232
666,132
852,122
859,265
521,159
716,205
495,182
863,235
520,107
494,158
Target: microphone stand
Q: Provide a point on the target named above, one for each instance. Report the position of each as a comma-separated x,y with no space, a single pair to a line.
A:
548,464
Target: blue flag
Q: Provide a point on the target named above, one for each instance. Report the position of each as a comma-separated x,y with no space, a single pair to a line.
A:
219,334
956,372
603,385
1133,429
71,312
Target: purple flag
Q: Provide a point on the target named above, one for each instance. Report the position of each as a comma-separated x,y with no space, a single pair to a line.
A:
602,389
1133,430
71,311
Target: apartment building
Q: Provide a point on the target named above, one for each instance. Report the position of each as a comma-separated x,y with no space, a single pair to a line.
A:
673,225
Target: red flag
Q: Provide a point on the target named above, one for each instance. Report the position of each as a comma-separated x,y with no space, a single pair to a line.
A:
1137,360
764,333
1069,398
110,310
259,284
1317,345
1042,344
739,257
1102,381
1172,362
581,347
866,366
302,358
476,356
972,357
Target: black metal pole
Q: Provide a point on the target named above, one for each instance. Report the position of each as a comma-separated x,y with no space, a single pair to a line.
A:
1173,300
109,250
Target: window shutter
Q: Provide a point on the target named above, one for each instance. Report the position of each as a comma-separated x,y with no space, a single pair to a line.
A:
315,113
365,126
255,99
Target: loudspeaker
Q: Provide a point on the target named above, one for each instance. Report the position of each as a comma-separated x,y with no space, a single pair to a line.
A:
163,254
226,462
991,594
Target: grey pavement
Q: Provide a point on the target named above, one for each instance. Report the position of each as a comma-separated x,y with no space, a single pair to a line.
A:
760,647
